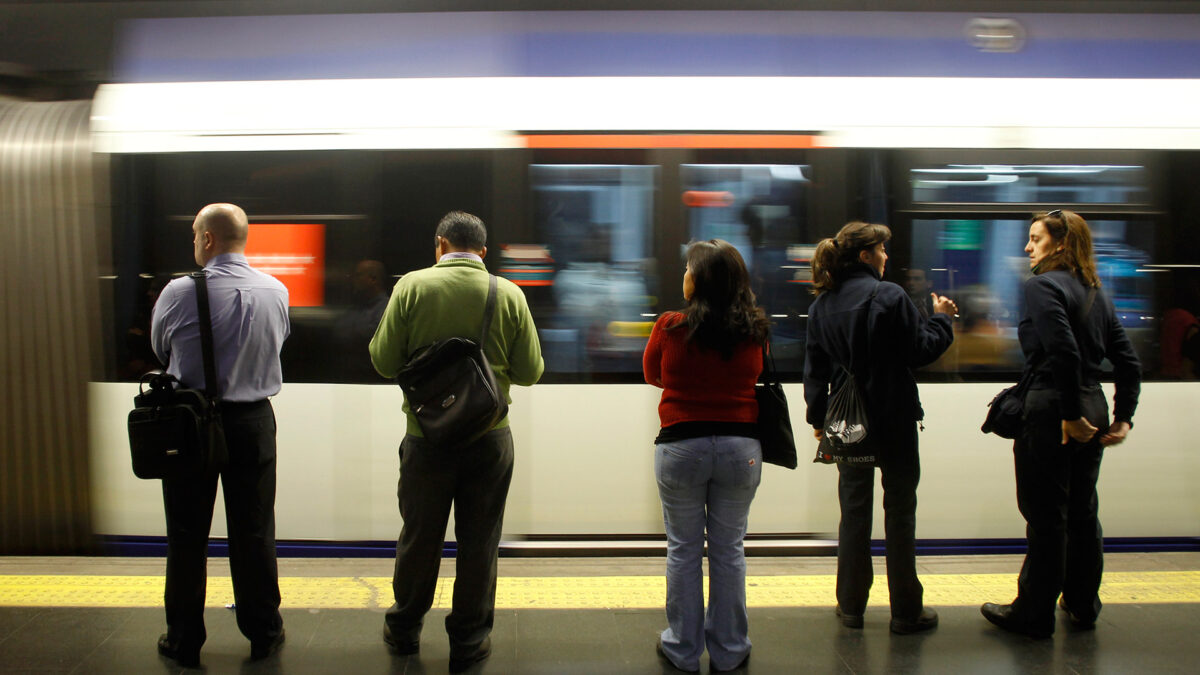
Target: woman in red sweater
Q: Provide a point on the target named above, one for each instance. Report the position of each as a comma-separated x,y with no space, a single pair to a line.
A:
707,457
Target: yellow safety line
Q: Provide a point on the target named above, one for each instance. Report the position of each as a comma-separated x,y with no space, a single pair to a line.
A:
627,592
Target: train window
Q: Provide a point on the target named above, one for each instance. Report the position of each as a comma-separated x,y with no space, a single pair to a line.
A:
592,287
762,210
981,263
1030,183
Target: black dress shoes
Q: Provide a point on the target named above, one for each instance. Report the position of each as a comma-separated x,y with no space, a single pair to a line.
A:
926,620
849,620
1002,616
261,650
185,658
1078,621
397,647
460,663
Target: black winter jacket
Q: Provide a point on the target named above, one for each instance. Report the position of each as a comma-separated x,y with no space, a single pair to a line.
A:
1067,356
880,344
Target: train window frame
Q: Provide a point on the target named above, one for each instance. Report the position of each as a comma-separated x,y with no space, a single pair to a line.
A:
908,210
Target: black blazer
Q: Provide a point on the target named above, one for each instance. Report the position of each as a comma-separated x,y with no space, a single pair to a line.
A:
1065,355
881,344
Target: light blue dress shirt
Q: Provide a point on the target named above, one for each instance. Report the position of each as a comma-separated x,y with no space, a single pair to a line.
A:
249,320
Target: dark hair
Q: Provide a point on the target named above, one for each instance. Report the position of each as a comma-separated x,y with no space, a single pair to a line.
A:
721,312
1072,231
839,253
464,231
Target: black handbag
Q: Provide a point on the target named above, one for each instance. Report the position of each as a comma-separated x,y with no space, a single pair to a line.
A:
774,419
177,432
451,389
1006,411
1008,407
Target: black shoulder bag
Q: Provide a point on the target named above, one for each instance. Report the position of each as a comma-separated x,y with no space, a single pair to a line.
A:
846,438
451,388
174,433
774,419
1007,409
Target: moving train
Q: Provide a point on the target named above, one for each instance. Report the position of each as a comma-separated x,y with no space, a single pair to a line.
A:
595,146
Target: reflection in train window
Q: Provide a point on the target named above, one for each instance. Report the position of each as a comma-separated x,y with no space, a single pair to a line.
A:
762,210
981,263
1030,183
595,224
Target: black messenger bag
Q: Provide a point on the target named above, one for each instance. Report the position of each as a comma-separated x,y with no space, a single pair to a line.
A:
451,389
175,433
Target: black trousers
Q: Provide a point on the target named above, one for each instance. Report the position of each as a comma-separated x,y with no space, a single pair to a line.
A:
249,486
475,481
900,466
1056,493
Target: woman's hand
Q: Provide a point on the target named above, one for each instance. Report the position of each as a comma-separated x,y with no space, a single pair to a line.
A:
1081,430
1116,434
819,434
944,305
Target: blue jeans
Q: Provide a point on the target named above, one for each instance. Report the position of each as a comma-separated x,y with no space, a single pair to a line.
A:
707,484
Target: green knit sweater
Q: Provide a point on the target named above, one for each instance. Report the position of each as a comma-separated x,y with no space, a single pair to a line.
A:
447,300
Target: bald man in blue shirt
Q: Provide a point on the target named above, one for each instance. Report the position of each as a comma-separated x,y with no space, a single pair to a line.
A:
249,324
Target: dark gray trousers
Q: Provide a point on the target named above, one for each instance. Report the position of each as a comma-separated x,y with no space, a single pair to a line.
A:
475,481
900,466
249,486
1056,492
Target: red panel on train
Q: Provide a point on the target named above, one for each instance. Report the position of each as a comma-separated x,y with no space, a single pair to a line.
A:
294,254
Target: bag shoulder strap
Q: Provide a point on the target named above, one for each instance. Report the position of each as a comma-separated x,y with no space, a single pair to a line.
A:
206,336
1087,306
770,375
488,310
1080,318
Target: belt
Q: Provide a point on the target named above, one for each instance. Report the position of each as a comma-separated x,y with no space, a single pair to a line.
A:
244,406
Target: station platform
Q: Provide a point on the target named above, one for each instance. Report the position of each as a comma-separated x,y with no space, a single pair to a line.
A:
595,615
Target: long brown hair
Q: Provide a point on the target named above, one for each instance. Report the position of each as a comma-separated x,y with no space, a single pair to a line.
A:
722,311
839,253
1071,230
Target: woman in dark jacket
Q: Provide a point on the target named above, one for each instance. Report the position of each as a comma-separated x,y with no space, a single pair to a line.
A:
872,329
1067,329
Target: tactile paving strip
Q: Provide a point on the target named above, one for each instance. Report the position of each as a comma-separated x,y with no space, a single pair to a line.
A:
627,592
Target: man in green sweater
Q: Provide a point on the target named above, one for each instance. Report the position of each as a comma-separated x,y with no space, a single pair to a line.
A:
439,302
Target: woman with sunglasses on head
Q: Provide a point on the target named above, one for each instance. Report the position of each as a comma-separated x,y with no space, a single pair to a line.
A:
707,457
1067,328
872,329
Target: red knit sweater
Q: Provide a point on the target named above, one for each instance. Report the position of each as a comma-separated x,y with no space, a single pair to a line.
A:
698,385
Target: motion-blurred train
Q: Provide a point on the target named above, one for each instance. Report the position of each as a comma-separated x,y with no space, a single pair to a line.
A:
595,146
